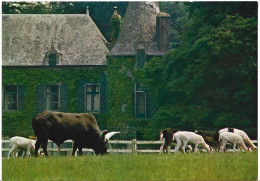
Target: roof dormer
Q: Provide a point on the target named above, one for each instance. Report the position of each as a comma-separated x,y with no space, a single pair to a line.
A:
52,56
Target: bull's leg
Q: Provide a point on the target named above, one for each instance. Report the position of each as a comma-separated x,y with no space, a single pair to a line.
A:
74,149
80,151
37,146
44,147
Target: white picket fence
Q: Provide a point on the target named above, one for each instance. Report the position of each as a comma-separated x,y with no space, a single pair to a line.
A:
131,148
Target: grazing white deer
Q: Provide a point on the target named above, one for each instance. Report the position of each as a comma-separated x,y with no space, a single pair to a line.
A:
243,134
232,138
21,143
183,137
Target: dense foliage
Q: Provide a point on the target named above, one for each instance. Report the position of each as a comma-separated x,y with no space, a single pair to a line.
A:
115,25
210,79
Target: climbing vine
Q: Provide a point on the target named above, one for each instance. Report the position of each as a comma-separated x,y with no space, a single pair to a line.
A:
115,27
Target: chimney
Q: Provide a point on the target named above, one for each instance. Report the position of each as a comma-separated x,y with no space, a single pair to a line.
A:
87,11
115,11
163,31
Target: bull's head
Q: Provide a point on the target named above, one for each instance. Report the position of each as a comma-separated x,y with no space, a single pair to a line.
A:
104,138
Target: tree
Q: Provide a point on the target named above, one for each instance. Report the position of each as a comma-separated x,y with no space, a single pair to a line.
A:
210,79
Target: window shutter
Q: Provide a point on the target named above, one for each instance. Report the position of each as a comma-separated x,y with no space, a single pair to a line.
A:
3,98
81,97
21,98
103,88
63,98
148,106
40,98
133,104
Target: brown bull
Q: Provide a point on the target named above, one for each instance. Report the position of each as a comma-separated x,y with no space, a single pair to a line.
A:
81,128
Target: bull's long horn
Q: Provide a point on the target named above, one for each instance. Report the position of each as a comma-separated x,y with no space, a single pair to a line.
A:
110,134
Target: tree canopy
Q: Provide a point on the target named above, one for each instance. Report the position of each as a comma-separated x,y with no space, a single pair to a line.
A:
210,79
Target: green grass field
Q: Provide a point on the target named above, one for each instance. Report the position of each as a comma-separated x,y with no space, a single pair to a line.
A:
215,166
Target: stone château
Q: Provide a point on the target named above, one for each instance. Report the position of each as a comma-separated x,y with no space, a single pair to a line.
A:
62,63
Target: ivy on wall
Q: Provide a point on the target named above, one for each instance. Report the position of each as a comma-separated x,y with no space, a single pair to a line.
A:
122,76
120,89
19,122
115,25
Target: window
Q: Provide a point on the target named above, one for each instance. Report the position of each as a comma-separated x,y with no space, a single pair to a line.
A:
52,60
92,98
52,98
140,102
10,97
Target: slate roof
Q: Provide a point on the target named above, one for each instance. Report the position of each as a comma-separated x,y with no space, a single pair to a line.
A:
27,39
138,30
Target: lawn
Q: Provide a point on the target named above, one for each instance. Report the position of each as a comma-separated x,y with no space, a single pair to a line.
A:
215,166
